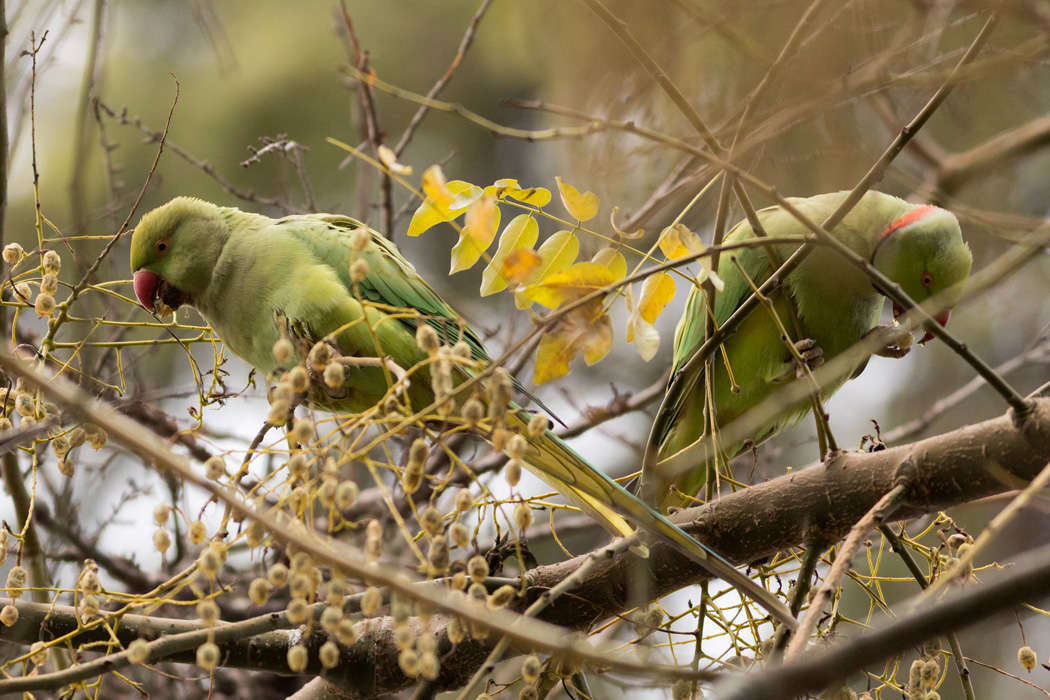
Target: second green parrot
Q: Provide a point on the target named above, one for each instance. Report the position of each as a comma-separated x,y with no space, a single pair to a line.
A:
329,279
919,247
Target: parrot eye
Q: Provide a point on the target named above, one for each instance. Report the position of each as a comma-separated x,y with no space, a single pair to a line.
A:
926,280
162,246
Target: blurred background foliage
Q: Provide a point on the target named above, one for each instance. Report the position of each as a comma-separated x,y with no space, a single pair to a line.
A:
250,71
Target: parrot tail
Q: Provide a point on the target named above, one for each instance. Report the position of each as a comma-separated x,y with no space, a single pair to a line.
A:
616,510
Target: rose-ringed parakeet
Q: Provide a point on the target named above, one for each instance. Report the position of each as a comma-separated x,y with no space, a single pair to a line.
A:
920,247
329,278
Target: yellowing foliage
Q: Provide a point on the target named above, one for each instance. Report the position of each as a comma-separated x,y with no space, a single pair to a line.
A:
520,264
657,293
570,284
556,253
436,209
614,260
520,234
480,228
586,329
536,196
582,207
677,242
645,337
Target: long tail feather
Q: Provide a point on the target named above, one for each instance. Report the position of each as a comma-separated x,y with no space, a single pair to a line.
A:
614,507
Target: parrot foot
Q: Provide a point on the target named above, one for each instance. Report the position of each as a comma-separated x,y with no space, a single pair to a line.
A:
812,355
899,344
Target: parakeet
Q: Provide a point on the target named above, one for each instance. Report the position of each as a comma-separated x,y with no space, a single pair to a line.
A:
920,247
329,278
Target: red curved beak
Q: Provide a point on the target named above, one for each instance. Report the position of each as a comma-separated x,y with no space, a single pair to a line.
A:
941,318
146,284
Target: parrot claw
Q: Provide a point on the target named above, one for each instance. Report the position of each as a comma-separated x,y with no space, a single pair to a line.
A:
812,355
898,345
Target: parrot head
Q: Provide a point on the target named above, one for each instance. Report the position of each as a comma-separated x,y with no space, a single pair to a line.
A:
923,251
173,252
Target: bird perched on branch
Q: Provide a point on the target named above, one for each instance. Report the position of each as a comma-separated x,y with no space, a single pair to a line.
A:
280,291
827,304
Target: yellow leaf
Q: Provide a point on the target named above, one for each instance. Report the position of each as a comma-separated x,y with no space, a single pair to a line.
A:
478,231
435,186
677,242
657,293
536,196
520,233
464,199
430,213
390,161
570,284
646,339
586,329
624,235
583,207
614,260
556,253
520,264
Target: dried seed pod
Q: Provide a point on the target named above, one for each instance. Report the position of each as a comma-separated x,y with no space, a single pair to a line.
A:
512,471
208,656
334,375
431,521
17,579
320,355
303,431
215,468
44,305
517,445
473,411
161,513
329,654
161,540
96,436
477,568
259,591
531,668
13,253
500,391
66,467
51,262
464,501
522,516
297,658
358,270
283,350
1027,658
208,612
462,350
345,495
209,562
538,425
345,632
197,532
331,617
298,379
429,665
278,414
138,651
460,535
408,660
931,673
456,631
371,601
9,615
427,338
404,637
437,554
360,239
501,597
529,692
49,284
254,533
296,611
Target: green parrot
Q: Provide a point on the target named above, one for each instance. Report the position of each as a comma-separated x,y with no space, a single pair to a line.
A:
920,247
255,279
